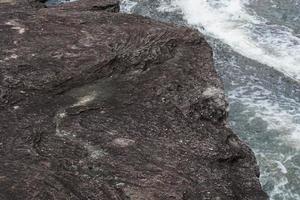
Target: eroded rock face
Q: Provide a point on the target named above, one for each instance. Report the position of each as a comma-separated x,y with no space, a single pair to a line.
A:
103,105
92,5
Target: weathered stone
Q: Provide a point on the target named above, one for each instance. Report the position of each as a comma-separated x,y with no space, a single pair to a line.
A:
103,105
92,5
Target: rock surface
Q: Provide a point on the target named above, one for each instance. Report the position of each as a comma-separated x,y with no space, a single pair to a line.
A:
104,105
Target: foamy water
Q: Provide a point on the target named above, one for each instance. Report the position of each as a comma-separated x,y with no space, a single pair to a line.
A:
280,114
248,34
277,177
127,7
269,121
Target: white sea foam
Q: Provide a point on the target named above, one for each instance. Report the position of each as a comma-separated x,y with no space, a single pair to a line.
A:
165,6
280,114
128,5
281,167
252,36
277,173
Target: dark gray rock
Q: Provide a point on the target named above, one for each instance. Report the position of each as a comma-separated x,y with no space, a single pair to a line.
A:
104,105
92,5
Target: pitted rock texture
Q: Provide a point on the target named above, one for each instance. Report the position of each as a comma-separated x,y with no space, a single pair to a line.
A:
104,105
92,5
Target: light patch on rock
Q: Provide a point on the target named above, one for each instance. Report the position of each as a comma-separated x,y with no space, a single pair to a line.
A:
87,40
63,133
95,152
13,56
123,142
217,95
16,26
58,118
71,55
112,132
16,107
234,142
85,100
62,115
74,47
212,92
8,1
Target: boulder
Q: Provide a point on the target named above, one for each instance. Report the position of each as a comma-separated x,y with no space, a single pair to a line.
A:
96,104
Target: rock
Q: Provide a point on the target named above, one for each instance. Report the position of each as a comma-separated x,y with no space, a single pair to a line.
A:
104,105
92,5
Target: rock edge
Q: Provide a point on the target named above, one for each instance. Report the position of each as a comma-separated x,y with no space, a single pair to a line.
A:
95,104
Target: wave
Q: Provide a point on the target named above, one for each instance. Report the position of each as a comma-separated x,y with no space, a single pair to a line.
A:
252,36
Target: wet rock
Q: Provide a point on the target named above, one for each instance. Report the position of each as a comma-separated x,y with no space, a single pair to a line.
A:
104,105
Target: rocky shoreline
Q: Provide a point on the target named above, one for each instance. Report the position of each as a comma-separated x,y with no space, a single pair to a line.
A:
96,104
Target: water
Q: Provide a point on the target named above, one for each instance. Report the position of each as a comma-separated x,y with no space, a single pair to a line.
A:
239,26
257,53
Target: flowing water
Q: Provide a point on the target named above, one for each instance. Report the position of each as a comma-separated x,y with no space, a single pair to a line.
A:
257,53
256,47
